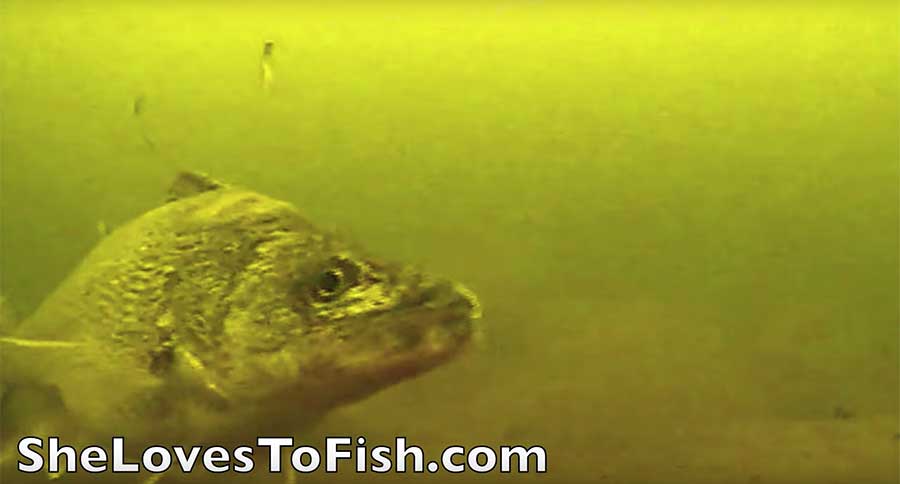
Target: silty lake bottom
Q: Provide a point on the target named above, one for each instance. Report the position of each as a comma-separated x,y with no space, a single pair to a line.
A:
681,218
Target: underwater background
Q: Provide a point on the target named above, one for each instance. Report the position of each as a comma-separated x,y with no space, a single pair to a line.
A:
681,217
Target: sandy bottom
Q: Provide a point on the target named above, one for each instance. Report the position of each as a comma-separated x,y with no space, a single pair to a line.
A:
850,451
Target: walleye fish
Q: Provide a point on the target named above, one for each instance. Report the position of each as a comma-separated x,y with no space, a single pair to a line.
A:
218,317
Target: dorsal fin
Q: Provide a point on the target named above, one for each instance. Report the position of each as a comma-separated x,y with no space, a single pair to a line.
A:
190,183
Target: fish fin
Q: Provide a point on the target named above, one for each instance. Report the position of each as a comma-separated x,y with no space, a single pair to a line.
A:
19,358
195,370
39,343
31,410
8,317
8,321
190,183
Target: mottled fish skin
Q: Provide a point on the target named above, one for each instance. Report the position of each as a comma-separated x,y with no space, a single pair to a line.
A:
223,315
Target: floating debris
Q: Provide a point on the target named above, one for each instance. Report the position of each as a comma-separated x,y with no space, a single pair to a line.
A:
265,65
138,106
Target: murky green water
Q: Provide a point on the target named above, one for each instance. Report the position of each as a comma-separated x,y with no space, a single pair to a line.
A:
682,219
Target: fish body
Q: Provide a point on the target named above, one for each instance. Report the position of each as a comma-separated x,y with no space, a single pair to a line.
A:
220,316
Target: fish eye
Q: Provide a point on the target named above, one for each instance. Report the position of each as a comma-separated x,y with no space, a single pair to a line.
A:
329,282
340,274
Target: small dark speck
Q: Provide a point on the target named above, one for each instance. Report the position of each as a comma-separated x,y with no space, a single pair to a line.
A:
897,436
841,413
268,48
138,105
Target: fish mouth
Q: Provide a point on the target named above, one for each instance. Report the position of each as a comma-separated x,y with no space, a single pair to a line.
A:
469,301
432,323
435,321
430,329
450,297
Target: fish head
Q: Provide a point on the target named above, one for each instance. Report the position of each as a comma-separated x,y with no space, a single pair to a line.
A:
313,322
